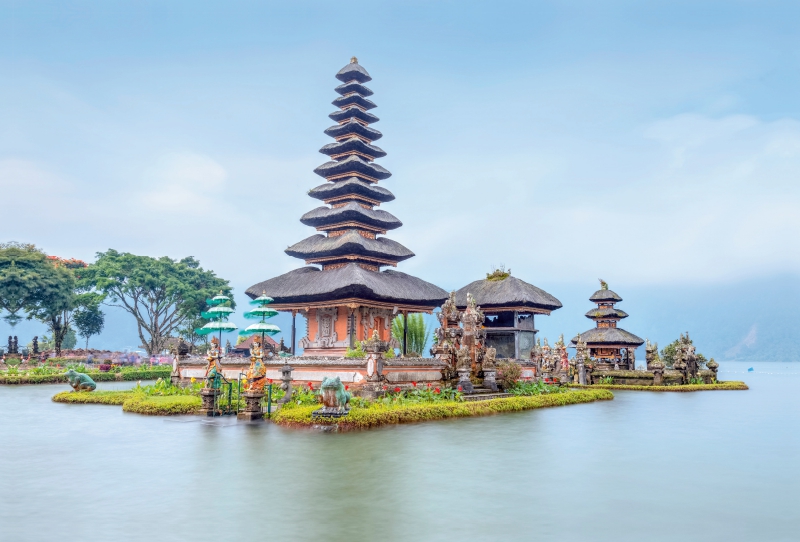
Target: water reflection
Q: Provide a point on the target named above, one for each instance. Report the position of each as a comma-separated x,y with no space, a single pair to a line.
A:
703,466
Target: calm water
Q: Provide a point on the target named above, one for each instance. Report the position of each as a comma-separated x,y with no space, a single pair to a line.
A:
646,466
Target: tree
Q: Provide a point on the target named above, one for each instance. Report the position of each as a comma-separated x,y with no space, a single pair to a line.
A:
90,321
70,340
162,294
45,287
668,354
418,333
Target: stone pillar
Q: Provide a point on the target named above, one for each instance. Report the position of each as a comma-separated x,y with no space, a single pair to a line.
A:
372,389
631,358
713,366
175,376
490,379
294,330
252,406
581,372
464,382
286,382
208,395
658,373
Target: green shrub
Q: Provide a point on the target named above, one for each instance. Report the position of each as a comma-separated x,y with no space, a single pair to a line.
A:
508,373
377,414
357,352
534,388
40,375
170,405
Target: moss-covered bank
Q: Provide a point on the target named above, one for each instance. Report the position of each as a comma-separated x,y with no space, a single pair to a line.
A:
97,376
732,385
376,415
131,401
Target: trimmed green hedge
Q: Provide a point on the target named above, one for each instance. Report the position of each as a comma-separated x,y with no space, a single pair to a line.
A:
376,414
159,405
93,397
733,385
97,376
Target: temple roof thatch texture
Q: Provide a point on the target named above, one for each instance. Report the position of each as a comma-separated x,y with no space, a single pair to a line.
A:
352,185
325,216
606,312
309,284
349,243
605,295
599,337
509,292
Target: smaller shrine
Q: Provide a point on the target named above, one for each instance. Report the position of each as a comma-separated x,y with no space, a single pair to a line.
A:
609,345
509,306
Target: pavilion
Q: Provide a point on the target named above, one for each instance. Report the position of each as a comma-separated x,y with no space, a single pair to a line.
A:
348,296
509,305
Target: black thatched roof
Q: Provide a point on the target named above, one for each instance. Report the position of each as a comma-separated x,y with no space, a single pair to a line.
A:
605,295
353,113
350,211
358,88
355,165
309,285
608,336
356,128
606,312
353,144
353,72
354,99
349,243
351,185
509,292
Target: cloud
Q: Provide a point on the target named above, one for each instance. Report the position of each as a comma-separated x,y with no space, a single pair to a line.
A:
186,183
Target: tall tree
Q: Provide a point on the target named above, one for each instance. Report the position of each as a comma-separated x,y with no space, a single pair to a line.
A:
160,293
42,286
90,321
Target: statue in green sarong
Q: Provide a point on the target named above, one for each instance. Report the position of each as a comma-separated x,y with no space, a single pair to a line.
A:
213,376
80,381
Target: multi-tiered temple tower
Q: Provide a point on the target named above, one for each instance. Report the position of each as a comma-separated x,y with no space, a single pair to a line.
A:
611,346
349,297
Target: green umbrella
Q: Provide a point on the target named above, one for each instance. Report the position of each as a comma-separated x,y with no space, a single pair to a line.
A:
260,327
262,300
261,312
212,327
216,313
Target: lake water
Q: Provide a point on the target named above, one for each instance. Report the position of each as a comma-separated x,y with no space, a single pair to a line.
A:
646,466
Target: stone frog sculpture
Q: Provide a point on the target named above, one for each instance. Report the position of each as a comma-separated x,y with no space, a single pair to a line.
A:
80,381
334,396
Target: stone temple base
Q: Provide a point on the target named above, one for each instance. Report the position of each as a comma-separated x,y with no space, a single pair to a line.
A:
250,416
326,412
252,406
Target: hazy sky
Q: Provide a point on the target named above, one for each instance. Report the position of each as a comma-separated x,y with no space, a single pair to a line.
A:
647,143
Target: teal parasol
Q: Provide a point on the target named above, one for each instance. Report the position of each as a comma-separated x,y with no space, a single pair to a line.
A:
260,327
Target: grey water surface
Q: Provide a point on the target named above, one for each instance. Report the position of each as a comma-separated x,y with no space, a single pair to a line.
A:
645,466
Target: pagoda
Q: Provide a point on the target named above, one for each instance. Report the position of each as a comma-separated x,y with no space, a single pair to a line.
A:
343,292
612,347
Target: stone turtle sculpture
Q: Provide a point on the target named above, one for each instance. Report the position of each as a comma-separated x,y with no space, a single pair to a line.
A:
80,381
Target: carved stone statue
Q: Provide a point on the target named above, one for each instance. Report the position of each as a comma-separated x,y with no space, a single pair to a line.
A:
213,370
36,344
80,381
257,372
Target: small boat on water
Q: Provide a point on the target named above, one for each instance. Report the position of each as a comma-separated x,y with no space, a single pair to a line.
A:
749,369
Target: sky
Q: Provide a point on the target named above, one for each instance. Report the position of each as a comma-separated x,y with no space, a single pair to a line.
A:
655,145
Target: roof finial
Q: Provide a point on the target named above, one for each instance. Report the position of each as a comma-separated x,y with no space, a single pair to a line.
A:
603,285
353,60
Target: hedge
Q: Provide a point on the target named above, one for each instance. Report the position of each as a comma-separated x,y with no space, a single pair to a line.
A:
732,385
97,376
93,397
162,405
377,414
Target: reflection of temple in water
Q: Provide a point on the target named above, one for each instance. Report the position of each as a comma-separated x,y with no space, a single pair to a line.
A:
509,305
347,298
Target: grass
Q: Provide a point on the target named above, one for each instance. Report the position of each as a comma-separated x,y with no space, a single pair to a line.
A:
93,397
158,405
732,385
154,405
97,376
377,414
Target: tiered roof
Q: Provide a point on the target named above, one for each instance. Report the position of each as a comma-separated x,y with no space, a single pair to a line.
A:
349,218
507,294
349,247
606,317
